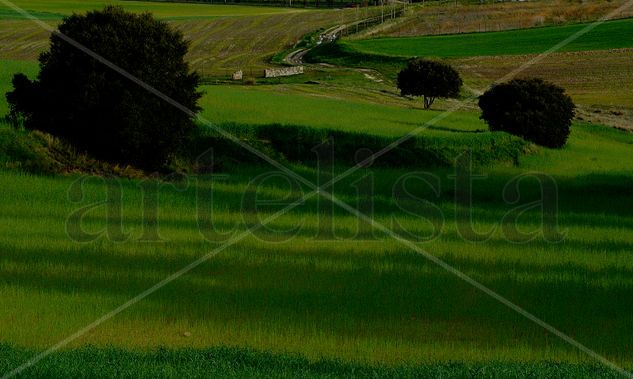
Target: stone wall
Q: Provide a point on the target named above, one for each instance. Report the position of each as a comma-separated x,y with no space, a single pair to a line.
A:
283,71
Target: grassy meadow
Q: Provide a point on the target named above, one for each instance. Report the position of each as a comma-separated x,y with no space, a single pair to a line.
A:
240,363
60,8
361,298
270,104
523,41
318,292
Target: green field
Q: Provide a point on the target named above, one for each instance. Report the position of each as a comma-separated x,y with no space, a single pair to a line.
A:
609,35
372,303
363,299
268,104
241,363
56,9
318,292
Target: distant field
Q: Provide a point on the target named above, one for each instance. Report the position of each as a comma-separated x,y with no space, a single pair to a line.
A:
592,78
449,17
220,44
593,71
609,35
56,9
269,104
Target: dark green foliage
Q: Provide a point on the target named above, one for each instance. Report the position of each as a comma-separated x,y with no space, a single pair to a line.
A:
296,144
22,100
533,109
97,109
430,80
240,363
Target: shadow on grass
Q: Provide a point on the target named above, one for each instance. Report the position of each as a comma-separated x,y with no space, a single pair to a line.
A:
233,362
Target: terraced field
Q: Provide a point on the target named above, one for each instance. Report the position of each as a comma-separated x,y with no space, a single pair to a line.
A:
597,79
223,39
471,16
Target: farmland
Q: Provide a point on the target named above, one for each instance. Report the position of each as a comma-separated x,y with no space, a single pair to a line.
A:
526,41
469,17
223,39
318,291
600,60
59,8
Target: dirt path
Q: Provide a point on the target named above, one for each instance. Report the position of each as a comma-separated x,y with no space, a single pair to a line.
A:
334,33
328,36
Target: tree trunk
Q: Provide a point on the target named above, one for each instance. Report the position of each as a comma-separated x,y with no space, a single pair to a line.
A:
428,101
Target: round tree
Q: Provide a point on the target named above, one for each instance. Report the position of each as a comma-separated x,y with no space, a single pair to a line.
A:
536,110
430,80
99,110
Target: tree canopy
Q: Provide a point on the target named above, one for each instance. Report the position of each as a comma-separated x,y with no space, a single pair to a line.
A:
430,80
97,109
533,109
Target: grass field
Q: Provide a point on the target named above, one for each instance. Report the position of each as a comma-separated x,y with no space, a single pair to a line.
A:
609,35
223,39
363,299
240,363
317,292
269,104
56,9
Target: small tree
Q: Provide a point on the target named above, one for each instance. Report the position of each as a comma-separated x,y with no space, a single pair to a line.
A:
533,109
429,79
97,109
21,100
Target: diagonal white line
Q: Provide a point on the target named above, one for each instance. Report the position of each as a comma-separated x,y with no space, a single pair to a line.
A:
232,241
483,288
316,190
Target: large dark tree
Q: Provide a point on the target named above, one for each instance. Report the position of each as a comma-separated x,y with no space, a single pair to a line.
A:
536,110
97,109
430,80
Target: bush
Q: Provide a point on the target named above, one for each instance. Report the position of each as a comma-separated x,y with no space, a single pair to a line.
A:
97,109
533,109
430,80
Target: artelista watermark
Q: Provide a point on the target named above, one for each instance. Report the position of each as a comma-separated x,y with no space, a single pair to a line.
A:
418,205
